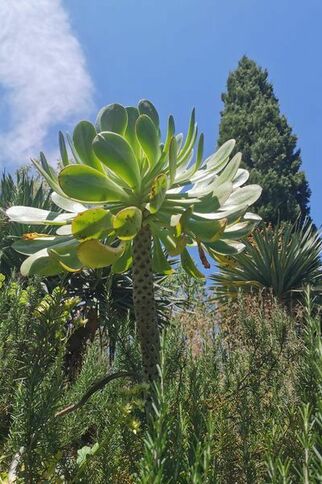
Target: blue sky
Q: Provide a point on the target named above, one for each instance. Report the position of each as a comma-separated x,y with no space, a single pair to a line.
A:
77,55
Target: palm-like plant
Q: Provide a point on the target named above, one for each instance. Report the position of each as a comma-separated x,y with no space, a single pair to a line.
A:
20,189
130,199
282,260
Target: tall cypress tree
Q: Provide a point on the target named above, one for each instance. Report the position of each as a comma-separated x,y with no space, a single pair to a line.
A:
252,116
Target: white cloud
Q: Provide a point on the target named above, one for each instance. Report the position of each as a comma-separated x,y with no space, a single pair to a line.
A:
43,77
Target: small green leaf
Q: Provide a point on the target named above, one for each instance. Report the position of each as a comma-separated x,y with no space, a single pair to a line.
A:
127,223
146,107
112,118
189,266
160,263
92,224
95,255
148,137
63,149
46,166
115,152
173,149
158,192
86,184
170,133
83,136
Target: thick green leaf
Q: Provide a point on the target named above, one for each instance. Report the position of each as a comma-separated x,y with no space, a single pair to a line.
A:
205,230
127,223
124,263
244,197
160,264
42,264
115,152
239,230
189,266
130,133
218,158
86,184
31,243
95,255
148,137
67,204
190,136
224,247
92,224
240,178
173,244
67,257
173,150
64,230
158,192
229,173
37,216
83,136
112,118
146,107
52,182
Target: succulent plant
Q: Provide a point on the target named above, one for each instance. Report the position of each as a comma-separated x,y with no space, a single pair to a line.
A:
129,199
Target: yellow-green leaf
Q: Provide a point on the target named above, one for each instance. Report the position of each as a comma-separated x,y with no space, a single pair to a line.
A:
127,223
148,137
189,266
158,192
205,230
160,263
124,263
86,184
116,153
83,136
95,255
92,224
112,118
67,256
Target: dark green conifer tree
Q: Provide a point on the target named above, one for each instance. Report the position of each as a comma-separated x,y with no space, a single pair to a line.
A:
252,116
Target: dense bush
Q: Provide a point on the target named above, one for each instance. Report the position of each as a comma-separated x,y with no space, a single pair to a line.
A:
239,398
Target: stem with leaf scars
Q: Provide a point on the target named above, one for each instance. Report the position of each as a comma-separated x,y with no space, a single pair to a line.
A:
145,305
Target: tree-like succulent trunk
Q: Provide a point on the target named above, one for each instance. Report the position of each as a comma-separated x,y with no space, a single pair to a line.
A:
144,304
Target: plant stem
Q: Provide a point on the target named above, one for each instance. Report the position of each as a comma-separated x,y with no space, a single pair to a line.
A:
144,304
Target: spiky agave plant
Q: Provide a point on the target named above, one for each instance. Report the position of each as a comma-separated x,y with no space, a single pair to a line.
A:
130,199
281,260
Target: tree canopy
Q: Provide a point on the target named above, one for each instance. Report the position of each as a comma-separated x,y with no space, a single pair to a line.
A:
252,116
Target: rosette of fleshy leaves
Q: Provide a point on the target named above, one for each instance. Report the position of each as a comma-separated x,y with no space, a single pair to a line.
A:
119,176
